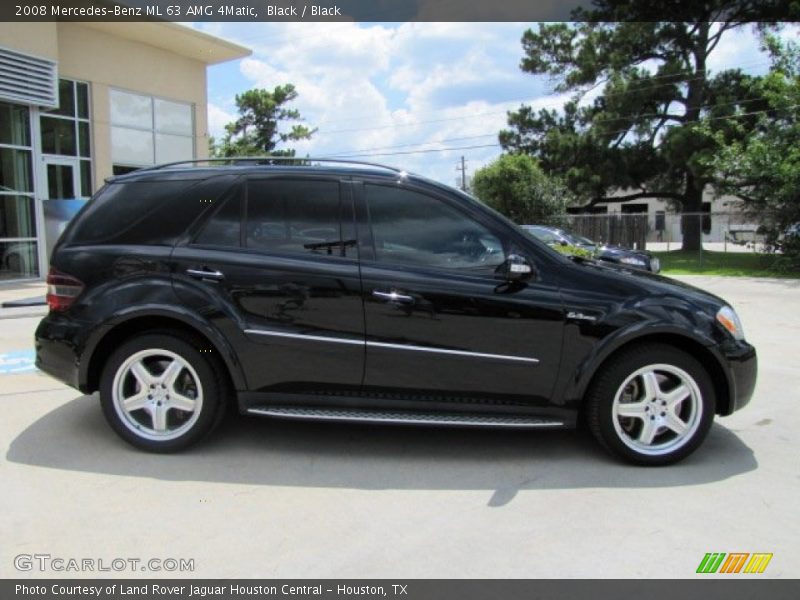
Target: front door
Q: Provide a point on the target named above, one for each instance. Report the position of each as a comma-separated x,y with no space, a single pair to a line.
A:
439,325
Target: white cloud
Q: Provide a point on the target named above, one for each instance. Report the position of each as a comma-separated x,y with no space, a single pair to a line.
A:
218,117
407,87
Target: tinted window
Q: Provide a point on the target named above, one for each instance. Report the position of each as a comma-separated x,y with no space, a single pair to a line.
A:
224,227
294,216
410,228
120,208
145,212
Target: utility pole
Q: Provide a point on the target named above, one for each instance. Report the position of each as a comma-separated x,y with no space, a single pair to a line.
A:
463,168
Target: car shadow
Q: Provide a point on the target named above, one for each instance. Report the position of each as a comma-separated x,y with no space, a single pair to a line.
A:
268,452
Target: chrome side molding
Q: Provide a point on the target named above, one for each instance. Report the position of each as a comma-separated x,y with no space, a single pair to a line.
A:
406,347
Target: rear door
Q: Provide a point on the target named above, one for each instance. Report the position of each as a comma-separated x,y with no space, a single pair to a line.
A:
276,267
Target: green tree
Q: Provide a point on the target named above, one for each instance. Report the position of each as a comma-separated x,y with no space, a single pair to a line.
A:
762,165
516,186
257,131
648,133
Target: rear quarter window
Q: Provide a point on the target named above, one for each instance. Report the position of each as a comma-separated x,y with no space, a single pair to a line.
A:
145,212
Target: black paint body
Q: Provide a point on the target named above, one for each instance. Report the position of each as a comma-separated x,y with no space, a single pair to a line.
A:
306,329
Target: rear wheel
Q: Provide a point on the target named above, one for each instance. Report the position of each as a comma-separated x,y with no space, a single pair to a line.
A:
651,405
159,393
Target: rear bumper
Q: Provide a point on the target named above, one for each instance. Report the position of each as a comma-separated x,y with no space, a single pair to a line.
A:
742,365
56,353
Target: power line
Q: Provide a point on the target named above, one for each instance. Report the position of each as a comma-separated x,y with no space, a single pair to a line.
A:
454,148
420,151
595,122
458,139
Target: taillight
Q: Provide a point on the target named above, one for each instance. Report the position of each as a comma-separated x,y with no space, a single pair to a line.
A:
62,290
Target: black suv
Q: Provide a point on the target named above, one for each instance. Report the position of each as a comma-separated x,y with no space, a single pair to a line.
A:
361,293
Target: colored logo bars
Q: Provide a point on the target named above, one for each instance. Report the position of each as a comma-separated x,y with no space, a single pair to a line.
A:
734,562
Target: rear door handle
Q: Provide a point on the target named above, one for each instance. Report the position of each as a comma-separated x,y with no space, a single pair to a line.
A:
393,297
205,274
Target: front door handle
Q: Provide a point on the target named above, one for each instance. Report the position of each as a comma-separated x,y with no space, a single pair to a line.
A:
205,274
393,297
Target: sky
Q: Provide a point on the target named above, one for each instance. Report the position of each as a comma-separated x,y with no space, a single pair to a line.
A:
432,91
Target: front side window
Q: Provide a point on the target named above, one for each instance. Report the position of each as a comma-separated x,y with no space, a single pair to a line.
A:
413,229
298,216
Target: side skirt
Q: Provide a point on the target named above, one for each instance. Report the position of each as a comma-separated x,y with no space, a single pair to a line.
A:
319,407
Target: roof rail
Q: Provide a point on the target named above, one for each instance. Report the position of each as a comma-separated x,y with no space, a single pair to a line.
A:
271,160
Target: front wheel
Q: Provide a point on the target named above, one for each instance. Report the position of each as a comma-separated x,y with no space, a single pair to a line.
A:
651,405
159,393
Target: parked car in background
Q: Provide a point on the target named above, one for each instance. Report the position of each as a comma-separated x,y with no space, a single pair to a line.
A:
553,236
363,293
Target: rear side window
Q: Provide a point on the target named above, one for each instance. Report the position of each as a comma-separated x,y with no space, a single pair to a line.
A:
298,216
145,212
224,227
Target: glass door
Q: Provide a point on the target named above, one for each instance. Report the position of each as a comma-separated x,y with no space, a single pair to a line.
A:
61,195
61,180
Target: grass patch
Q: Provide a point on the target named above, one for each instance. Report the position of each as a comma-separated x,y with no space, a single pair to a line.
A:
735,264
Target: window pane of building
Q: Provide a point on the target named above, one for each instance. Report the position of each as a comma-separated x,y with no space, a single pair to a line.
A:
15,124
171,148
86,178
60,182
66,99
18,260
173,117
131,146
15,170
16,217
131,109
83,100
83,135
123,169
58,136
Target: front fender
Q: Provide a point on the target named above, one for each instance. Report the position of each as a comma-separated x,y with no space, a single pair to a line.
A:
589,344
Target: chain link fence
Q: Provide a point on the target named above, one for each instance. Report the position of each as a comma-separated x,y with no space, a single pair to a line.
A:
726,236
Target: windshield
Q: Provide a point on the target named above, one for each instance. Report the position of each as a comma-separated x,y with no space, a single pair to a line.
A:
584,240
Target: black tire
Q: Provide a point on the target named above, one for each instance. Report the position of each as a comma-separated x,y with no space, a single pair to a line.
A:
627,438
134,427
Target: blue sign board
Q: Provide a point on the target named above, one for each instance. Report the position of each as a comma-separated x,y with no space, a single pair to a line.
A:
19,361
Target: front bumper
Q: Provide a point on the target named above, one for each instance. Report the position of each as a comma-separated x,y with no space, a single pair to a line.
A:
741,363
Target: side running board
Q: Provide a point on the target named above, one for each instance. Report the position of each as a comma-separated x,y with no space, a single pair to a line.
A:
406,417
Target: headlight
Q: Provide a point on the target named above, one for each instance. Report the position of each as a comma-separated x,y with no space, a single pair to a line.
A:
655,265
728,318
632,260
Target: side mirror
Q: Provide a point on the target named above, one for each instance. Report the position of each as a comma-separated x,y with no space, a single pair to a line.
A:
515,268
